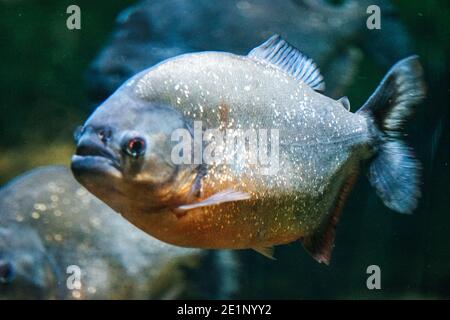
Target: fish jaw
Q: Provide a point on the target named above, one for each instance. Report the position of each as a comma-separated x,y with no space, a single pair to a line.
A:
104,180
93,156
92,164
100,177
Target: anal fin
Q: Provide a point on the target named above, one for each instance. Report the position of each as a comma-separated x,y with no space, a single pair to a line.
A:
266,252
320,244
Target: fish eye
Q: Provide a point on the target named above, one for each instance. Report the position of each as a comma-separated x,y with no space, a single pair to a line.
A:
6,272
135,147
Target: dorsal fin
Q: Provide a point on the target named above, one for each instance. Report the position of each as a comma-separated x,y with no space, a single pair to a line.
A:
278,52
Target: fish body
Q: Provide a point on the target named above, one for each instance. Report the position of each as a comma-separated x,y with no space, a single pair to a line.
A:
285,205
233,204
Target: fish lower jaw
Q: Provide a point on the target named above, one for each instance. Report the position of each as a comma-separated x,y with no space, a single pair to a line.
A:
82,165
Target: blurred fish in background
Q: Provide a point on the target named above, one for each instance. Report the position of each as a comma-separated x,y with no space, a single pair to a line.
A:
335,36
52,231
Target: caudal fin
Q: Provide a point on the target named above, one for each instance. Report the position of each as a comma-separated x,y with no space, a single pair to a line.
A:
395,172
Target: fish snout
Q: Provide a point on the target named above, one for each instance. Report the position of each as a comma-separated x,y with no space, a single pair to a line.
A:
88,146
103,134
93,142
93,149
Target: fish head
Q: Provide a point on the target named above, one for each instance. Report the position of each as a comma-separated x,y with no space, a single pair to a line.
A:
123,155
26,271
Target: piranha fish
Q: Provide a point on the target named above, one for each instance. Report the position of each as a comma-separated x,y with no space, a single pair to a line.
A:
125,149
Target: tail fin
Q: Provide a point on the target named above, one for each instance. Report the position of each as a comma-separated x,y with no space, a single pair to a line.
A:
395,172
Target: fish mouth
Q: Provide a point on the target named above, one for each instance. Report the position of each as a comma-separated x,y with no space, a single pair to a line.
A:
95,160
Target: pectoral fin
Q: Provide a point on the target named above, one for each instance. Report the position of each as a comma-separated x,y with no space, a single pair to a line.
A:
218,198
266,252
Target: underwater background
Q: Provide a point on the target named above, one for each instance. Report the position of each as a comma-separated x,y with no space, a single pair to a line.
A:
52,78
